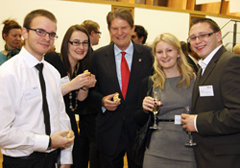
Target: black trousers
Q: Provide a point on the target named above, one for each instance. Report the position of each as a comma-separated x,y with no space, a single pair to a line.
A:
76,148
116,160
35,160
88,148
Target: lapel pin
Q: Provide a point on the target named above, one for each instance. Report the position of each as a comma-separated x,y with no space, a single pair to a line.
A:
140,60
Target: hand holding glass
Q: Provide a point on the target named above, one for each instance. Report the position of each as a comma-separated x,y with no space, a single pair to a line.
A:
190,140
157,97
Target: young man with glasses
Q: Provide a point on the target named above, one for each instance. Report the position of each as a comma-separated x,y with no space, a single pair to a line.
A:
215,121
93,29
33,118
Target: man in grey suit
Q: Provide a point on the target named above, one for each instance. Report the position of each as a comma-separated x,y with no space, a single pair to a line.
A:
115,127
216,99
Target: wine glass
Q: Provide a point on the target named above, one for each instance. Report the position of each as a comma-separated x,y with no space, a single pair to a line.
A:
190,140
157,97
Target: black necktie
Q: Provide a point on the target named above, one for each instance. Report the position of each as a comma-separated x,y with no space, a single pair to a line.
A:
44,103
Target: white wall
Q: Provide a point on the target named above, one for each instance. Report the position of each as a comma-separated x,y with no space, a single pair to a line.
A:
157,22
228,28
69,13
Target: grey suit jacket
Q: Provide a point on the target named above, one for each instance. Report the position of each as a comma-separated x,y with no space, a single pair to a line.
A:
111,123
218,120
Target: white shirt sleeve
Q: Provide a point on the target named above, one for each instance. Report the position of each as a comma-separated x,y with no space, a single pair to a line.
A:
195,123
12,136
66,154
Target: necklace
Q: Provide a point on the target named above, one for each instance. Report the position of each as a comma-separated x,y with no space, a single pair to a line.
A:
76,92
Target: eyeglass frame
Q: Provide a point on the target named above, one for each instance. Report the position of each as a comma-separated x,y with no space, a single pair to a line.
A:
98,32
201,36
44,33
134,36
80,43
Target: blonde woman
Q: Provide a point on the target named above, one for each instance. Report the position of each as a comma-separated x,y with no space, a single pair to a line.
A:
175,79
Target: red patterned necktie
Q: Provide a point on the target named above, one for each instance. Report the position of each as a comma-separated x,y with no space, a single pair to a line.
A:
125,73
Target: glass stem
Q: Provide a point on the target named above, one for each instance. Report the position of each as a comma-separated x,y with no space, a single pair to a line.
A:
155,119
190,137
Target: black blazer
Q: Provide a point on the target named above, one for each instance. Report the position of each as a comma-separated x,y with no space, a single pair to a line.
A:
192,64
218,120
110,124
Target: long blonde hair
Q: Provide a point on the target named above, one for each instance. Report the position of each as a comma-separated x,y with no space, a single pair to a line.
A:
185,70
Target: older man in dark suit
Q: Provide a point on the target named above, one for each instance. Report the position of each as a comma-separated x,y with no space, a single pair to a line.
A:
119,68
216,100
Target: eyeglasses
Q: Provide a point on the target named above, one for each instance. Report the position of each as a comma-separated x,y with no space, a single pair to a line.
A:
43,33
133,36
200,37
78,43
98,32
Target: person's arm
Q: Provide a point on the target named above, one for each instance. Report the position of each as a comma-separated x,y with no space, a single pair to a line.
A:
227,119
95,96
12,136
189,122
78,82
140,115
109,104
66,152
83,91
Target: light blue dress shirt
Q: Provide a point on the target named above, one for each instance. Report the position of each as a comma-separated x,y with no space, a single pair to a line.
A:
118,58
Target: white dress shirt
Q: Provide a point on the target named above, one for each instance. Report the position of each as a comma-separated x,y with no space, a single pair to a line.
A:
204,63
22,128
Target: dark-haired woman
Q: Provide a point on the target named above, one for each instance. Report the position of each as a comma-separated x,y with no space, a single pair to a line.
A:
71,64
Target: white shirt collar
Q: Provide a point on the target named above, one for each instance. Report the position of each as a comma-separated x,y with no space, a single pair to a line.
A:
128,51
205,62
30,60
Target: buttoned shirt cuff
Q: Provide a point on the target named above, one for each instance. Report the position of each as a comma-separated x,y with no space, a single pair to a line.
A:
41,143
66,156
195,123
103,109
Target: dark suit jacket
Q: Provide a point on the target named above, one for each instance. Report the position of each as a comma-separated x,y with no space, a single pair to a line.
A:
109,124
192,64
218,120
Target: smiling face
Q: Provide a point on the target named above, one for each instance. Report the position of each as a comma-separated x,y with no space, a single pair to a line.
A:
35,44
76,53
166,56
13,38
204,46
121,32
